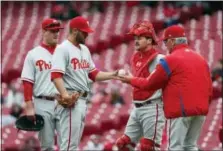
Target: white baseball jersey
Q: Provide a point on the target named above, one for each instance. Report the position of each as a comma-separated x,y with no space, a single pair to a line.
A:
36,69
75,63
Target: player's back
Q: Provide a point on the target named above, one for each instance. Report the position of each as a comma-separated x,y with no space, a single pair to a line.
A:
189,86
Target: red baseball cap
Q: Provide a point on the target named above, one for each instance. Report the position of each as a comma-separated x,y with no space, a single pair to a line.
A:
51,24
80,23
174,31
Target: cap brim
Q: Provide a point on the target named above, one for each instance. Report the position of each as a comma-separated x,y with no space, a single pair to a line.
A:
88,30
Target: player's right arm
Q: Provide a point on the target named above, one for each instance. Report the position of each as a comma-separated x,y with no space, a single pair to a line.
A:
28,78
58,82
59,63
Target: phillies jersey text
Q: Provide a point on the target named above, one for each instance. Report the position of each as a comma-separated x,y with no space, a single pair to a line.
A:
36,69
75,63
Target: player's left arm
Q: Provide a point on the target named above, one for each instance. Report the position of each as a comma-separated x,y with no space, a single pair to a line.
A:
157,79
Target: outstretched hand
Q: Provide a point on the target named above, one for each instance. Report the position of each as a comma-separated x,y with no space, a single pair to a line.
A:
126,78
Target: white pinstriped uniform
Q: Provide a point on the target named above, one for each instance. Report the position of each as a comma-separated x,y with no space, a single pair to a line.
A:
36,69
75,64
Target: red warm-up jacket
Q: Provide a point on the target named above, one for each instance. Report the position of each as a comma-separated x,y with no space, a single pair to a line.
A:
185,79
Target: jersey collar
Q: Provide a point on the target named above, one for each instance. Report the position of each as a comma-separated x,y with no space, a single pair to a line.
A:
49,48
179,47
77,46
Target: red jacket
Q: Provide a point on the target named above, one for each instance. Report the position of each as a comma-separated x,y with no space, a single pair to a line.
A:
140,68
185,79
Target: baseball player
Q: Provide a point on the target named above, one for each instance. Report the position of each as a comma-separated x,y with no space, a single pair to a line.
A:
185,79
72,67
146,122
37,83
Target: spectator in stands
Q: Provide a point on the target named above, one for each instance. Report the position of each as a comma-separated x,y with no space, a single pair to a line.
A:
15,113
116,98
217,75
100,97
96,6
94,143
221,135
171,15
31,144
217,72
64,10
145,3
149,3
14,94
132,3
182,3
2,100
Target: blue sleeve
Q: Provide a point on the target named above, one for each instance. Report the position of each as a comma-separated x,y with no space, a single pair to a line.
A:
165,66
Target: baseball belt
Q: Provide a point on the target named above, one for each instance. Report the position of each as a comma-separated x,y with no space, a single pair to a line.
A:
49,98
138,105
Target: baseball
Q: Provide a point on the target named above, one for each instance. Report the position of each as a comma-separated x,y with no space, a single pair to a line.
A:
121,72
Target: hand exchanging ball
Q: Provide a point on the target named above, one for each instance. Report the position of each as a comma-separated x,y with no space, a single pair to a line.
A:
121,72
124,76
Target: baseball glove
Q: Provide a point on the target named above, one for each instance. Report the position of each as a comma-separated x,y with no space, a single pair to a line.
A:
68,101
26,124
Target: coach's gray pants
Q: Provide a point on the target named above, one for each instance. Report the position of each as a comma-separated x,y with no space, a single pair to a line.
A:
184,132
